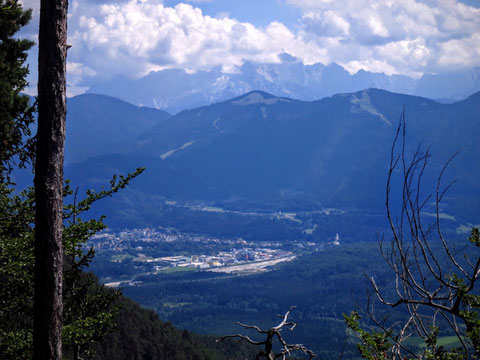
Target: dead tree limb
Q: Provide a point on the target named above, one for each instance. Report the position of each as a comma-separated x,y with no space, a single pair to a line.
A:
272,334
424,281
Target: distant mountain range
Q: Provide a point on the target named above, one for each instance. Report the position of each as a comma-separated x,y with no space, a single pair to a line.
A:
175,90
259,146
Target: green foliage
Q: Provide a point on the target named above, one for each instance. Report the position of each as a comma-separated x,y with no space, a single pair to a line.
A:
140,334
320,284
88,307
470,301
466,304
442,354
90,310
16,210
16,113
89,314
434,351
474,237
16,273
374,345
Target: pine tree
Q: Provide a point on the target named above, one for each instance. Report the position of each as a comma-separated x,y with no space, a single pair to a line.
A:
89,310
16,245
16,113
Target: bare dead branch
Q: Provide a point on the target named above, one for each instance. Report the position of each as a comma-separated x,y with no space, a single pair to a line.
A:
252,327
422,278
242,337
272,333
284,321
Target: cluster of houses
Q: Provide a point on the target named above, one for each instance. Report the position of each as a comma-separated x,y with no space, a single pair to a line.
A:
242,251
223,258
118,241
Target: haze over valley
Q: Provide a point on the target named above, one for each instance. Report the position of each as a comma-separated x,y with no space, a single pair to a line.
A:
282,150
261,189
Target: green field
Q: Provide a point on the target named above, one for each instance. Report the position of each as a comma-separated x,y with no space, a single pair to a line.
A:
121,257
446,341
177,269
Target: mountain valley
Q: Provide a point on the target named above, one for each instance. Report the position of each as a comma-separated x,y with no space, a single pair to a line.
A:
260,151
263,172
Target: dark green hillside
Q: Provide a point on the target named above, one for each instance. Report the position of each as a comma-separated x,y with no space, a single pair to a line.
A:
96,122
261,148
141,335
323,285
335,149
160,177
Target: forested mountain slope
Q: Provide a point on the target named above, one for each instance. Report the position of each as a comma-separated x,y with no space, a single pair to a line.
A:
334,151
96,122
141,335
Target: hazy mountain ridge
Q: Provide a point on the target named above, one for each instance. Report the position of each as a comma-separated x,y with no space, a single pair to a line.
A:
259,146
96,122
176,90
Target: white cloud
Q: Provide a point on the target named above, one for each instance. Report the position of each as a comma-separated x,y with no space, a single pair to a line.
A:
329,24
31,4
133,37
75,73
407,36
460,52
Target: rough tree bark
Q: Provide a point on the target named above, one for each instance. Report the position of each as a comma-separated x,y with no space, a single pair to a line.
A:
48,181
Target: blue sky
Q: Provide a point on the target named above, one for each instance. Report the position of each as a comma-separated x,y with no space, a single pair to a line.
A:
257,12
133,37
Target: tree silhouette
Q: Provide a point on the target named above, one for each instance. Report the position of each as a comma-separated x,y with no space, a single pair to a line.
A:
274,333
16,113
48,305
433,282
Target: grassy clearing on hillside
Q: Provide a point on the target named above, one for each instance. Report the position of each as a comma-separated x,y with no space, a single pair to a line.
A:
177,269
121,257
446,341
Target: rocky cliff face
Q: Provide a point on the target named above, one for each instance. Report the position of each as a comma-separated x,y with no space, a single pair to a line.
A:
175,90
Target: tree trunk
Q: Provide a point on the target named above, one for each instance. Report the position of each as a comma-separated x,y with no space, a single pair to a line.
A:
48,307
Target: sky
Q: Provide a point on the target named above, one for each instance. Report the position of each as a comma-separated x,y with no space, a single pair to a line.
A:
134,37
